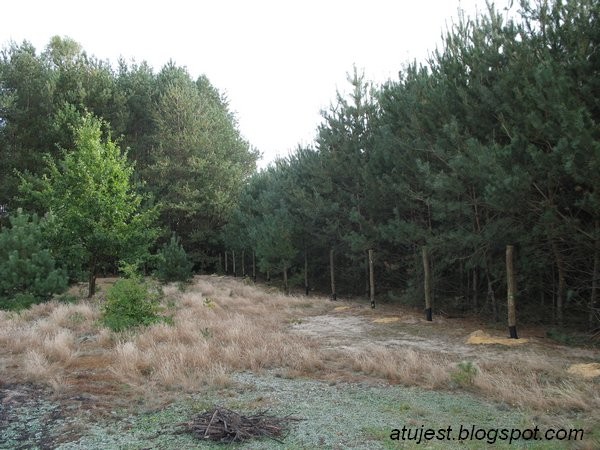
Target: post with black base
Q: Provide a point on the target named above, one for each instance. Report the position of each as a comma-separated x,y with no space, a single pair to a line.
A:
243,264
427,285
332,274
306,287
371,280
233,262
511,290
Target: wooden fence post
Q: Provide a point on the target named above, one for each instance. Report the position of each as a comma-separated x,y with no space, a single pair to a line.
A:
511,290
306,289
332,274
367,280
427,284
233,262
594,314
371,280
243,264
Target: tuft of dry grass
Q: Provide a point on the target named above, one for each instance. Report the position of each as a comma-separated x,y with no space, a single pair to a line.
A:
41,343
59,347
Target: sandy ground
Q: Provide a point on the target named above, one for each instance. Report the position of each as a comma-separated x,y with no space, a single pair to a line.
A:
358,327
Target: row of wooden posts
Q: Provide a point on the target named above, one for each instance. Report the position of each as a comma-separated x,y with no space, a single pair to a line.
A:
510,280
511,288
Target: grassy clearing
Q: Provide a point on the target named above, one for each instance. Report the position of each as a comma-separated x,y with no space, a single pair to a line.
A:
222,327
219,326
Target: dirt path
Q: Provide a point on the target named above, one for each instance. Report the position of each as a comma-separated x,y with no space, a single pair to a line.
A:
357,327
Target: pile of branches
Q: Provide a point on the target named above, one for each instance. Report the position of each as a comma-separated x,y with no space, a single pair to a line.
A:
226,426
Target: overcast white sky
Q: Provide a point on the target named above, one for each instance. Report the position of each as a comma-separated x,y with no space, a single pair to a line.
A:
279,62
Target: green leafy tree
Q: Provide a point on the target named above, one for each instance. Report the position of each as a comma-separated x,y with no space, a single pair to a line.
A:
42,97
98,217
28,272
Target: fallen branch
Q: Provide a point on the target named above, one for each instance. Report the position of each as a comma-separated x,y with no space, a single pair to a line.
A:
226,426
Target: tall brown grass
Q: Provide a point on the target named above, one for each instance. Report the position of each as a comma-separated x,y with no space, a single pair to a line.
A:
221,325
538,381
403,366
218,326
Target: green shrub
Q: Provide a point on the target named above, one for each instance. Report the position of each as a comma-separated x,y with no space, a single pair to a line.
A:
130,303
465,373
28,272
173,262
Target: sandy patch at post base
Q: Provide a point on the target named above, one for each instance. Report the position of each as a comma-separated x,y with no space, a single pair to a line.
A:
591,370
386,320
481,337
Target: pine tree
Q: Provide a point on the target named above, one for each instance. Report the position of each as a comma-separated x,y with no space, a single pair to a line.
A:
173,263
28,272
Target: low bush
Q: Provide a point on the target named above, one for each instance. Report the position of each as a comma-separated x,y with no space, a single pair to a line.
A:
130,303
464,374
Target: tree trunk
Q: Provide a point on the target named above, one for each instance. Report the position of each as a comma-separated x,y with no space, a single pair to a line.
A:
427,284
542,292
492,297
593,317
464,292
562,284
254,265
243,264
371,280
306,288
553,296
332,275
285,280
220,263
474,289
511,291
226,268
268,275
92,279
367,280
233,262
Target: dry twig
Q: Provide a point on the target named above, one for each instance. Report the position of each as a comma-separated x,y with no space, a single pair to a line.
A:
225,425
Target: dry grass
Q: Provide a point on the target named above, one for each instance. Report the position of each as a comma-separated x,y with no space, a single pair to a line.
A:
535,380
222,325
219,326
407,367
216,330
